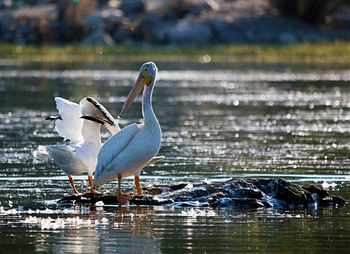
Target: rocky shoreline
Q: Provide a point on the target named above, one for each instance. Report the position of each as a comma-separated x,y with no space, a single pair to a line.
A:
234,193
168,22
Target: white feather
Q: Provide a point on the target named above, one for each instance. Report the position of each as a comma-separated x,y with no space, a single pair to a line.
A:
71,124
81,154
64,157
113,147
131,149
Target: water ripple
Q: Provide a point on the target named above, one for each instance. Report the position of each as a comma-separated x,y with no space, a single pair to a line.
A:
185,75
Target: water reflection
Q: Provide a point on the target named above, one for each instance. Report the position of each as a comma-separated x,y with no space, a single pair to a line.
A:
216,125
155,230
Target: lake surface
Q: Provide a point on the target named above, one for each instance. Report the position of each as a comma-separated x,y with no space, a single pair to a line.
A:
218,122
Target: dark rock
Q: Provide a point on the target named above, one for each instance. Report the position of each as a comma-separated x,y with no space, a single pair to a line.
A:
243,189
178,186
174,9
339,34
68,27
7,26
198,7
238,203
290,194
6,4
336,201
151,28
226,32
74,12
340,16
132,6
160,33
69,199
98,37
189,32
108,199
112,19
235,193
93,22
319,191
150,200
186,194
313,11
322,197
278,29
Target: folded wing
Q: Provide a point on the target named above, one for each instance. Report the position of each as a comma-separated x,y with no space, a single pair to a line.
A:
65,158
114,146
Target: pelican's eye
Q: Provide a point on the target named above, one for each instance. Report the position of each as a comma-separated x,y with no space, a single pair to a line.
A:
145,70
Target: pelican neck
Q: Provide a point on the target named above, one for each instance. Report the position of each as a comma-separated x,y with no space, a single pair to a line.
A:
91,132
147,109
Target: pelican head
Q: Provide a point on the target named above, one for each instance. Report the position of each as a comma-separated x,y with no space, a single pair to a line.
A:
146,78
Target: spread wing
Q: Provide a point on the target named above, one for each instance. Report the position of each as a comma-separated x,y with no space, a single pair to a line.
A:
70,124
113,147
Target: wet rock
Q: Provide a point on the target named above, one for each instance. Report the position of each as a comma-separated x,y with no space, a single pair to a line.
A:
235,193
187,194
292,195
243,189
150,200
322,197
239,203
70,199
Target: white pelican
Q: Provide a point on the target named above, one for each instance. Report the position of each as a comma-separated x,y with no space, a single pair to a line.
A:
85,142
134,147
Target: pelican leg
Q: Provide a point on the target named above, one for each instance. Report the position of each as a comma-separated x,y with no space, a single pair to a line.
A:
122,197
73,185
92,190
138,186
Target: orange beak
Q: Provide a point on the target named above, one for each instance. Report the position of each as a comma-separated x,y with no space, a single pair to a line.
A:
136,89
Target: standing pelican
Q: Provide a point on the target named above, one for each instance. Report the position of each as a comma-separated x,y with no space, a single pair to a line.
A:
132,148
85,142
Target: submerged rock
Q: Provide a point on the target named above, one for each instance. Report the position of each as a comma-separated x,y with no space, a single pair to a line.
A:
235,193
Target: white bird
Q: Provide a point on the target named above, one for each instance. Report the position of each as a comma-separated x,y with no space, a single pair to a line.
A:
80,155
134,147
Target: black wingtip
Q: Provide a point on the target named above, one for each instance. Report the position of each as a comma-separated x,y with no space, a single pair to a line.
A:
53,118
93,119
99,106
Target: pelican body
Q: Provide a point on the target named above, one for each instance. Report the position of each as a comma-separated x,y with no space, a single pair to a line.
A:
127,152
80,155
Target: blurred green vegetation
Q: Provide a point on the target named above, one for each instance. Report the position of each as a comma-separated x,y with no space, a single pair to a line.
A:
314,53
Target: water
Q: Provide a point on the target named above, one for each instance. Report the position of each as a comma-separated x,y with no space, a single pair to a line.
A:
218,122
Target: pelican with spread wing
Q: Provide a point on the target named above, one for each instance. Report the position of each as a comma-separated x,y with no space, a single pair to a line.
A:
73,124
